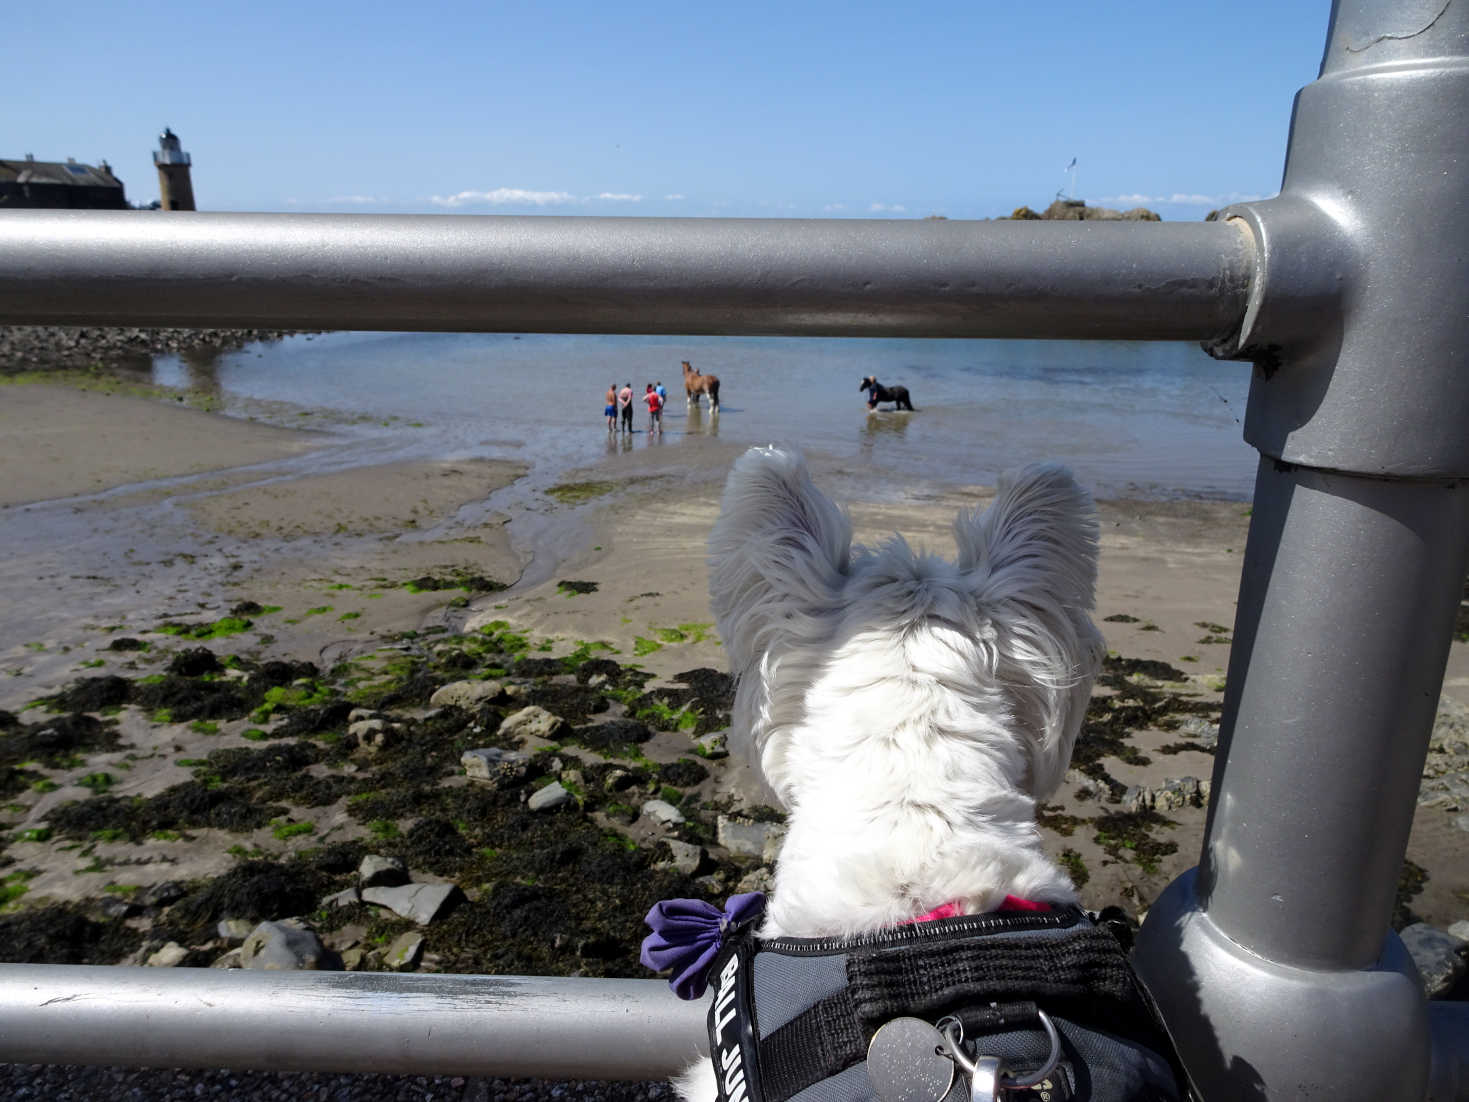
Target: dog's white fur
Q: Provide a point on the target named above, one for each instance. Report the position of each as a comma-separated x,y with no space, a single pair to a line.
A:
909,712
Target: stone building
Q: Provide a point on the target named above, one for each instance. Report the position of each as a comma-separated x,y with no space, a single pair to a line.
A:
57,184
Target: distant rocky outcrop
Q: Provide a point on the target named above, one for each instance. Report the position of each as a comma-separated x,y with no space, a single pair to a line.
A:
1076,210
42,347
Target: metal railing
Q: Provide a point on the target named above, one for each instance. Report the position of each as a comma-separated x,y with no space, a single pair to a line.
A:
627,275
1273,961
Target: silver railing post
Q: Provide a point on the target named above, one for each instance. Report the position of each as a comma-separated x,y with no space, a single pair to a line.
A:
1273,961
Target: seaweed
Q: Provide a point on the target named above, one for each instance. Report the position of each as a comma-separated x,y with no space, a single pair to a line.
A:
92,694
63,933
56,742
185,699
256,891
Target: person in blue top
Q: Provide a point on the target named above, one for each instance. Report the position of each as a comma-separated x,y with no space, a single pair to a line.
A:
662,393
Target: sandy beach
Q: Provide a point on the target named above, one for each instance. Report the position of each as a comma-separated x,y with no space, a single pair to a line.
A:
171,527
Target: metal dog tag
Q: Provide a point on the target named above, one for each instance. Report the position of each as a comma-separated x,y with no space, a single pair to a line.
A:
907,1062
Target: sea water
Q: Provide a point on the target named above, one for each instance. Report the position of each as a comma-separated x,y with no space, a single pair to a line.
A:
1132,419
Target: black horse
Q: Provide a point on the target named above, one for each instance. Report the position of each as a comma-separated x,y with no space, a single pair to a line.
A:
879,393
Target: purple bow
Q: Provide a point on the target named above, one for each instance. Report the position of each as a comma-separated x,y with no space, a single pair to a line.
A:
688,934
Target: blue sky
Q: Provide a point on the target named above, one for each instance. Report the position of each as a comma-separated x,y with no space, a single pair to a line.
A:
684,108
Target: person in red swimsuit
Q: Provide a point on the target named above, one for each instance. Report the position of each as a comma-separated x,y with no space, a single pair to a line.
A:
655,410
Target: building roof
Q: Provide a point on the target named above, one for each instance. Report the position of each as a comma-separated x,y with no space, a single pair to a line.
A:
57,172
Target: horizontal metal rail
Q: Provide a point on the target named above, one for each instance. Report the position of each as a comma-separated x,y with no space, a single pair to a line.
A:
513,1026
930,278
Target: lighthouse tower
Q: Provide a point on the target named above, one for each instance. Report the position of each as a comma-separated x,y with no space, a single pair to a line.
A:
175,189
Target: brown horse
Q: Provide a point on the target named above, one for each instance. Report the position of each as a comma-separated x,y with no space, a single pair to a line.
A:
695,384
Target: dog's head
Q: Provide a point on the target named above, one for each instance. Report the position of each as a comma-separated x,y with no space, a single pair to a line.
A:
835,647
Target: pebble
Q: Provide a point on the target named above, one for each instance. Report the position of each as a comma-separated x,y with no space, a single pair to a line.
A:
662,811
1440,956
465,694
552,796
284,947
405,952
532,722
490,763
169,956
376,870
750,839
420,902
687,857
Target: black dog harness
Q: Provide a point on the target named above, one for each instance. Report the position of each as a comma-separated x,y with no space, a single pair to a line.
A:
795,1018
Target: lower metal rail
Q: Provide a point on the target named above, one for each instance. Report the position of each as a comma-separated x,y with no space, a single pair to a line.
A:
362,1022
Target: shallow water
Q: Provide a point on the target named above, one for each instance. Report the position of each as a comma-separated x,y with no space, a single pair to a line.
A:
1132,419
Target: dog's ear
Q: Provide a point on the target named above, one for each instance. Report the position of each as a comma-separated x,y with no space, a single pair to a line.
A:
778,554
1031,560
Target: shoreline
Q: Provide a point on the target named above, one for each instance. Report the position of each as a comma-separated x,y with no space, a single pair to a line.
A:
341,567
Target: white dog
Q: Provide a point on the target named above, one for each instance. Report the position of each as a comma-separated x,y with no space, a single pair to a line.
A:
909,712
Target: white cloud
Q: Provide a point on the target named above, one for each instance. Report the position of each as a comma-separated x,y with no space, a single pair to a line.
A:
1186,199
502,196
892,208
356,200
617,197
675,195
832,207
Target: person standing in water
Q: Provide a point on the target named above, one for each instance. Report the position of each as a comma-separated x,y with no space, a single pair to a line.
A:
624,405
609,407
655,410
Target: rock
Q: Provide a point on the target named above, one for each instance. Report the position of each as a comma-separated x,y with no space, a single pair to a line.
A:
163,895
712,883
357,715
1201,729
373,734
1460,929
116,907
423,903
714,745
1440,957
352,959
616,780
234,929
1172,794
1076,210
552,796
757,880
170,956
687,857
1086,788
502,768
344,898
229,960
284,947
376,869
1446,770
532,722
466,694
1179,793
661,811
750,839
405,952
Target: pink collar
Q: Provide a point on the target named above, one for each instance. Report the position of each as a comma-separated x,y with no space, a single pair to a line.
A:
953,909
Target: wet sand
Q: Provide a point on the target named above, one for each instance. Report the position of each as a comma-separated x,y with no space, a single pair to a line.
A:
335,555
